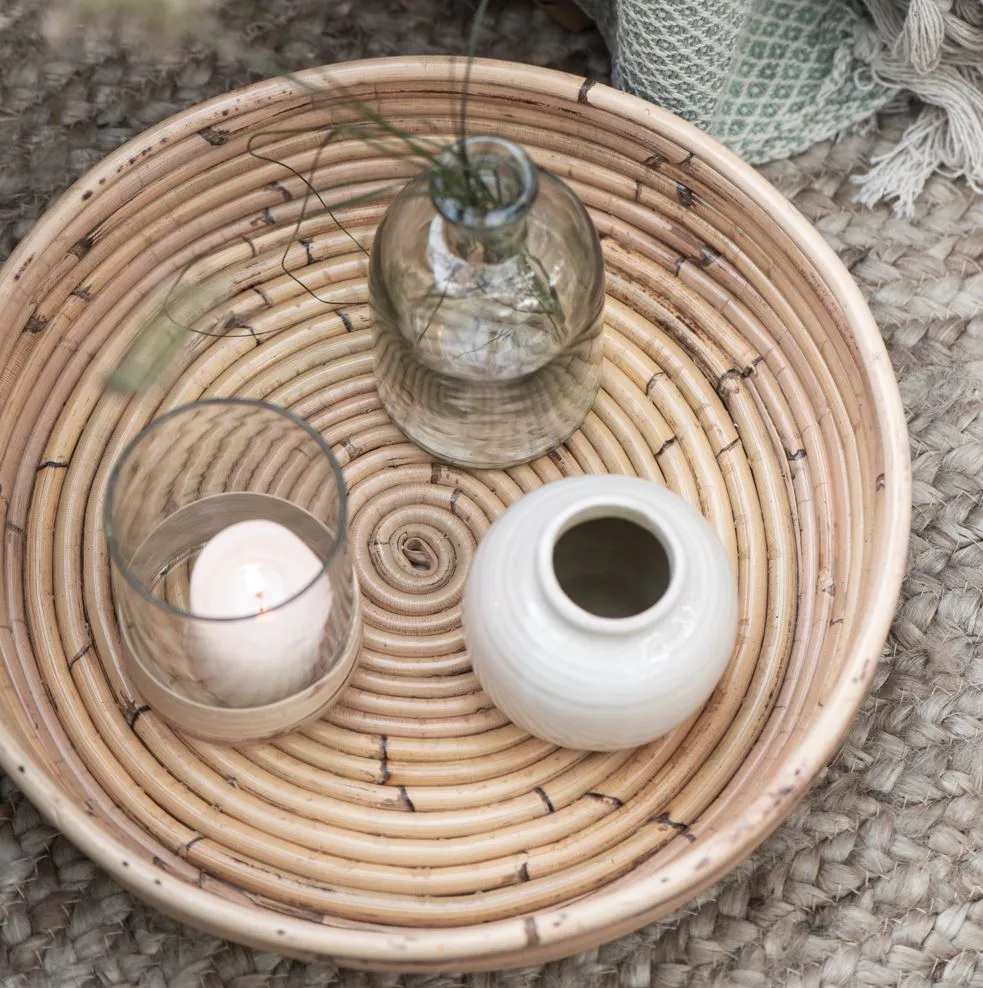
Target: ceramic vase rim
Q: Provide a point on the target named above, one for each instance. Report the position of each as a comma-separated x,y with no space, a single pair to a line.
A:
628,508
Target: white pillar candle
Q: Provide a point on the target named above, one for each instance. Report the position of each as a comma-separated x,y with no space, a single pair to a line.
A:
245,572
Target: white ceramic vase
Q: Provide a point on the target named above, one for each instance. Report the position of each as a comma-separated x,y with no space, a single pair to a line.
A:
600,612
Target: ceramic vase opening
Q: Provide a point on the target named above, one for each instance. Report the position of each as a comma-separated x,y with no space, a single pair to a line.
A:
612,567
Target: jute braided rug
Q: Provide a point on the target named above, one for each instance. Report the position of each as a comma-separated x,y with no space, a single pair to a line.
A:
877,879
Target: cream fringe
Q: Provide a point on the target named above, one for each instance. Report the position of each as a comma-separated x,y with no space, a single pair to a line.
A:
934,50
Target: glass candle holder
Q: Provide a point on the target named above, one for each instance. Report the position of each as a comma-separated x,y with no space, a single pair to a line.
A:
236,597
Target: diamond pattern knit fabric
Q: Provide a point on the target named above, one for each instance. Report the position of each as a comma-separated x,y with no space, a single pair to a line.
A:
767,77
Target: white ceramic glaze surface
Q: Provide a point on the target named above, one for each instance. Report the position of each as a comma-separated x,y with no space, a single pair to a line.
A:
572,675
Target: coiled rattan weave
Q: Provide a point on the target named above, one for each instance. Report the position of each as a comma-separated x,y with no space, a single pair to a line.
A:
415,828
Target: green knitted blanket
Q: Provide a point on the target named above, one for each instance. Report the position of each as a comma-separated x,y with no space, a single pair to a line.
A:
771,77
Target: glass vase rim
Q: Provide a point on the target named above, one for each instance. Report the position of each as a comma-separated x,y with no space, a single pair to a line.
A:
502,216
337,543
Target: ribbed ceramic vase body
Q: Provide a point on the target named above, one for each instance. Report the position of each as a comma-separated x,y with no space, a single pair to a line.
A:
487,322
600,612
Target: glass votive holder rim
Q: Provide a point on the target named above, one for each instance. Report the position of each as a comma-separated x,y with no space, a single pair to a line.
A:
339,537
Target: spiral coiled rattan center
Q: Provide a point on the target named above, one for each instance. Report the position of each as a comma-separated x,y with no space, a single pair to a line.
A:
731,376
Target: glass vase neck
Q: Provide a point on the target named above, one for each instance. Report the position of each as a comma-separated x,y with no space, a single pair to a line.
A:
483,189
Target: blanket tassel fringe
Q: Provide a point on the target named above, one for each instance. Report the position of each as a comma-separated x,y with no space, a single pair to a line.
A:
934,50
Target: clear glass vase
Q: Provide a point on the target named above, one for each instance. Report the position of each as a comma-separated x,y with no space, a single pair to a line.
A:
487,308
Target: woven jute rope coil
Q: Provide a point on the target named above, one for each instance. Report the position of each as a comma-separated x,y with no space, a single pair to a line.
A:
414,827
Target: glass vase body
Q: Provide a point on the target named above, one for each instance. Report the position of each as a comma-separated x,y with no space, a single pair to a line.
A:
487,322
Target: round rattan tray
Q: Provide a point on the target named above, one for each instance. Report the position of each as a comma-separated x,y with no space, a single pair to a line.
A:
414,827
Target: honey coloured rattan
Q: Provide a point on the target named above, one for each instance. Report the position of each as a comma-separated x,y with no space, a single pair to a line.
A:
414,828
